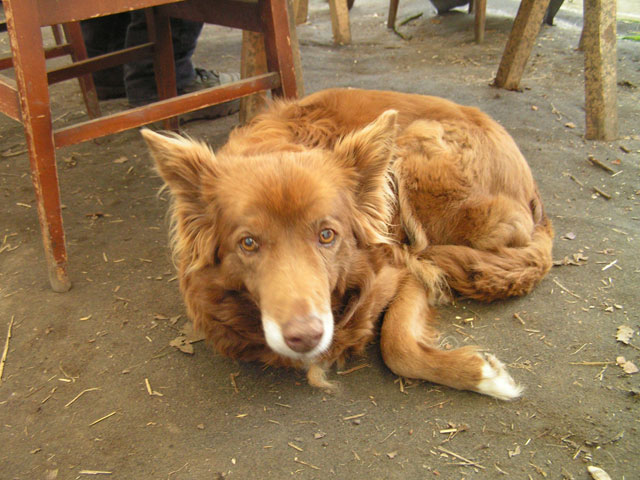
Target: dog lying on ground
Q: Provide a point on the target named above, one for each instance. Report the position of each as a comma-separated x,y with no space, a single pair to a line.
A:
324,214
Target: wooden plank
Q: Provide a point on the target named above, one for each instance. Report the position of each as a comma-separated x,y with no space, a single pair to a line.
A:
9,103
340,22
520,43
136,117
31,79
600,69
62,11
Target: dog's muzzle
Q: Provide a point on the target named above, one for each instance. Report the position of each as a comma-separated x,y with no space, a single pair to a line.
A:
301,338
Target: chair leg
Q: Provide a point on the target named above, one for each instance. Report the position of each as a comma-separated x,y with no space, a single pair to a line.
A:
253,62
159,29
480,10
281,46
73,34
393,12
31,78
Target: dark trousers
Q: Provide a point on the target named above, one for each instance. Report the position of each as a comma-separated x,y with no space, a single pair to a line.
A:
107,34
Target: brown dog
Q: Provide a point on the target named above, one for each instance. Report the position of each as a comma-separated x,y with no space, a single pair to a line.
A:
321,214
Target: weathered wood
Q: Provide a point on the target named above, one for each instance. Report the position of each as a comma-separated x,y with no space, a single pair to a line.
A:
600,69
31,79
253,62
340,22
480,7
520,43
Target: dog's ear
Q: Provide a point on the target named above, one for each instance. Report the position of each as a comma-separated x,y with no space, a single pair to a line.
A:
181,162
367,153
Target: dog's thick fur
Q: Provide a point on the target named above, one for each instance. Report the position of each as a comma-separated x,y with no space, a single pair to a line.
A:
324,213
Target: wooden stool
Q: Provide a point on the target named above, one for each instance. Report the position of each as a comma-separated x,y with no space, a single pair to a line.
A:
478,6
599,38
26,99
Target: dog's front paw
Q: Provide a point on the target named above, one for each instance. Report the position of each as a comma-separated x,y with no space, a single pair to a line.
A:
316,376
496,381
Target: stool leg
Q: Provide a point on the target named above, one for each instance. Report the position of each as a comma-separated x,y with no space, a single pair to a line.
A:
480,19
599,36
521,39
393,12
340,22
31,78
281,46
73,34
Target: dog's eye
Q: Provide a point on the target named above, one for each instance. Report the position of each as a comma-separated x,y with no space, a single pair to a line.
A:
327,236
249,244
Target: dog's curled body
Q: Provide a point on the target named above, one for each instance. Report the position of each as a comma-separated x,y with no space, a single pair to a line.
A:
322,214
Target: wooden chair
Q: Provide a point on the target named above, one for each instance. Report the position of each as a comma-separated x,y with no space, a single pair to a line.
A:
26,99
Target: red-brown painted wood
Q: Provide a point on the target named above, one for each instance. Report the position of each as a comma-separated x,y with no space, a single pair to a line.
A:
31,79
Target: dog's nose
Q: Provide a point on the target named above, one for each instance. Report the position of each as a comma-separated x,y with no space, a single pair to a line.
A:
302,334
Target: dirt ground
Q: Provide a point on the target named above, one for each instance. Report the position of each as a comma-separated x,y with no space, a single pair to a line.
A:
91,385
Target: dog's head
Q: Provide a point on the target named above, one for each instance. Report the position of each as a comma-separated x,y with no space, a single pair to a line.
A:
283,226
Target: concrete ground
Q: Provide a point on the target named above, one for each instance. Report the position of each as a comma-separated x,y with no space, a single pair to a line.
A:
92,388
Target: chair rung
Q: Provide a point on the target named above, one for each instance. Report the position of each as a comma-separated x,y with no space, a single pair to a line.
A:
171,107
100,62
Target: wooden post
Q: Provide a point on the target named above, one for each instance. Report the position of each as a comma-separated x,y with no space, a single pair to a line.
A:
393,13
600,69
480,7
521,39
340,22
253,62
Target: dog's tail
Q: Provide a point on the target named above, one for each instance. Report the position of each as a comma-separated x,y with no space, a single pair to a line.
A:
497,274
